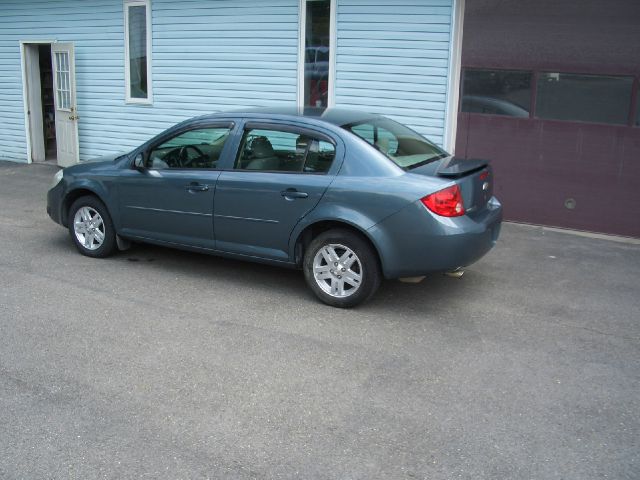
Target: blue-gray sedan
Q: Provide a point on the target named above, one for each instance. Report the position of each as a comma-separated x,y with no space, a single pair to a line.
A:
347,196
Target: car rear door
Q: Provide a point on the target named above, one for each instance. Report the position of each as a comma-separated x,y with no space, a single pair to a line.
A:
171,198
279,174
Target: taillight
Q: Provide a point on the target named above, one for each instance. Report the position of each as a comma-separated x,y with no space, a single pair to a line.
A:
446,202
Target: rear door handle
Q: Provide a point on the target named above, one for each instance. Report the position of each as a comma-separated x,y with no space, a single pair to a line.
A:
197,187
291,193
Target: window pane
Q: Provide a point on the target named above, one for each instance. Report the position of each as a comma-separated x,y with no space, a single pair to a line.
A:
63,87
138,51
584,98
199,148
364,131
272,150
497,92
316,66
320,157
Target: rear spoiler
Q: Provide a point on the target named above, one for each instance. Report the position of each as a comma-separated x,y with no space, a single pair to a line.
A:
459,167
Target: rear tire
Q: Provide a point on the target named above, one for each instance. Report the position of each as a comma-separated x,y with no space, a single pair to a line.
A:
91,228
341,268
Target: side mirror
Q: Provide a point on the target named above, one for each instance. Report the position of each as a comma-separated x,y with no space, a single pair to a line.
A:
138,162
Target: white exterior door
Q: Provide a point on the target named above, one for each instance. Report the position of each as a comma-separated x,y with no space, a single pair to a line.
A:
64,84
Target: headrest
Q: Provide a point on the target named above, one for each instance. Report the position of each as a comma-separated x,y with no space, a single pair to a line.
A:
261,147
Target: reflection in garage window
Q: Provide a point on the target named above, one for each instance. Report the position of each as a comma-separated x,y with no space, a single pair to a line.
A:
497,92
584,98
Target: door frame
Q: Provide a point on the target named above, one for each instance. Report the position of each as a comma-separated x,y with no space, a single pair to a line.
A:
25,89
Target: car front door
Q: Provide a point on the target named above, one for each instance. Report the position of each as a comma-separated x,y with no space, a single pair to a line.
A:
279,175
169,196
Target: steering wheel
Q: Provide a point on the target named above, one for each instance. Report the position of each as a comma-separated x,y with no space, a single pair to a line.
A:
183,155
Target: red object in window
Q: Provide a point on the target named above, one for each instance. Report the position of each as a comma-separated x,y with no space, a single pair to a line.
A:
318,92
446,202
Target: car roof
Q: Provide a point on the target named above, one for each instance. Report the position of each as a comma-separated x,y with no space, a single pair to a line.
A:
335,116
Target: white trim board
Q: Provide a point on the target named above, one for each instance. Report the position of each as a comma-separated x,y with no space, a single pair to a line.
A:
453,86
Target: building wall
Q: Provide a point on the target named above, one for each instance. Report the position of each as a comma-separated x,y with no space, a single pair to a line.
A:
213,55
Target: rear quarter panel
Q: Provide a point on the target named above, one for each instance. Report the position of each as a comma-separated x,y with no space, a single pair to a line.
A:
363,201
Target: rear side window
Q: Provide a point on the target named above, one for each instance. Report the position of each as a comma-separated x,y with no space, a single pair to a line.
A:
273,150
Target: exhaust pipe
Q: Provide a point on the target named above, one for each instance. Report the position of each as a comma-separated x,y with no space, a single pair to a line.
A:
412,279
457,273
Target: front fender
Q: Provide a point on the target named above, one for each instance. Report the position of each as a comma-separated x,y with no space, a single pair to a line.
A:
78,187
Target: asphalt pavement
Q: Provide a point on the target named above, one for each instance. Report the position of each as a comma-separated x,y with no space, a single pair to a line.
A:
157,363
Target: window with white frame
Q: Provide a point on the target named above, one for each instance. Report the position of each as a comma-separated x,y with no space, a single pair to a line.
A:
316,62
137,32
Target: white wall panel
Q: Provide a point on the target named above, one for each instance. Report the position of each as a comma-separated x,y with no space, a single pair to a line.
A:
392,58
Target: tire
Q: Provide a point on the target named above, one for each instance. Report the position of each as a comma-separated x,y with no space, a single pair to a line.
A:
91,228
341,268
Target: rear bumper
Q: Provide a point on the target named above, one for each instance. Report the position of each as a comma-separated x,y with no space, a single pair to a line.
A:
416,242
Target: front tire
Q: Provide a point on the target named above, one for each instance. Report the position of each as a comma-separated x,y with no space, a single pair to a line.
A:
91,228
341,268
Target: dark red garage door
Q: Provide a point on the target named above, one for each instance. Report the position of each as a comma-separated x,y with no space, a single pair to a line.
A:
549,93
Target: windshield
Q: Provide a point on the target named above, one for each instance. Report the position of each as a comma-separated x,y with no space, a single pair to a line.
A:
401,144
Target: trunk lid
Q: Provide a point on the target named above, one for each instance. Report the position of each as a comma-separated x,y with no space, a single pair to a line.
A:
474,177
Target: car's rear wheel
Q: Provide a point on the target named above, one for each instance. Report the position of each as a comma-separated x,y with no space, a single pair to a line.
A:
341,268
91,228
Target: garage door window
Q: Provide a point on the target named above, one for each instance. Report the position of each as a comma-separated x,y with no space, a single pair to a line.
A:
497,92
584,98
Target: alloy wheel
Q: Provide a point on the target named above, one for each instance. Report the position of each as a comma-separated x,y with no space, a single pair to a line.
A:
337,270
88,228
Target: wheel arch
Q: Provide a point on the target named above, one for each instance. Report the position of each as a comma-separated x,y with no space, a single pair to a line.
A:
72,195
309,232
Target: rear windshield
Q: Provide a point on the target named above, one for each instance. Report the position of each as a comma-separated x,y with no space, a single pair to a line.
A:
401,144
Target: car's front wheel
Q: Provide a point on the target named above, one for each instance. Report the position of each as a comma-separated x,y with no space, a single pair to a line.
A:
341,268
91,228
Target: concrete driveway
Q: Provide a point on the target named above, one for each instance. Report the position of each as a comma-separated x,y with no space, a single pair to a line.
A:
163,364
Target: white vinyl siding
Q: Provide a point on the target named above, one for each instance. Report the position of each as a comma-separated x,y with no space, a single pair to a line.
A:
392,58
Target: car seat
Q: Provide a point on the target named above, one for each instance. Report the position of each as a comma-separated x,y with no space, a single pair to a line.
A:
263,155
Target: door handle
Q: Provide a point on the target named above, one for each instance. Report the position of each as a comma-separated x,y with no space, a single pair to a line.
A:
197,187
291,193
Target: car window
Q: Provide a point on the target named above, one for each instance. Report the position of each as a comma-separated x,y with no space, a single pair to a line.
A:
399,143
275,150
198,148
